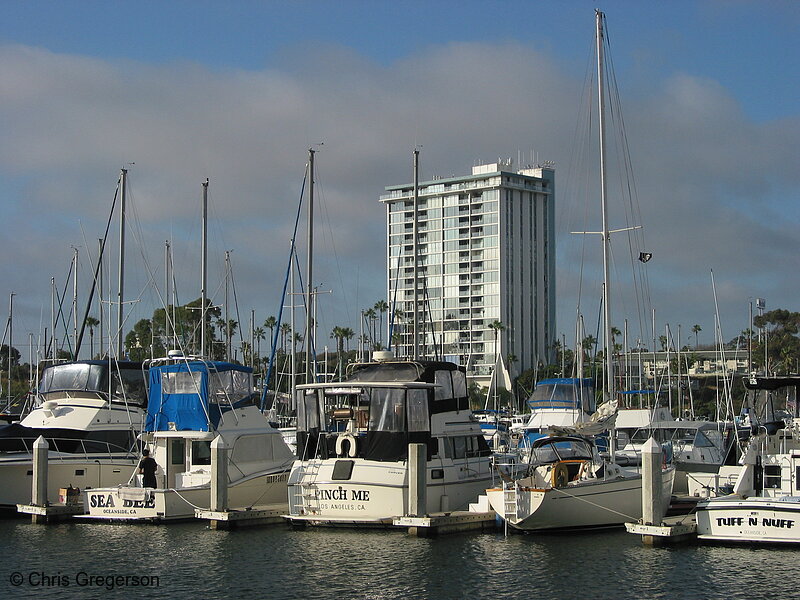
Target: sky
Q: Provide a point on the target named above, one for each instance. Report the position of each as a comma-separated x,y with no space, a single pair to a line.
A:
237,92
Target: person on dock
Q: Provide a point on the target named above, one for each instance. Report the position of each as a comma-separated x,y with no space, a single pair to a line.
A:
147,467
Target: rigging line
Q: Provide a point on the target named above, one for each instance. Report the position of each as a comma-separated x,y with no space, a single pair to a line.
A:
96,270
633,208
236,308
283,297
61,310
323,204
393,313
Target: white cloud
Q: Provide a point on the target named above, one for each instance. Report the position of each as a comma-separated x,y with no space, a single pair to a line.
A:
712,184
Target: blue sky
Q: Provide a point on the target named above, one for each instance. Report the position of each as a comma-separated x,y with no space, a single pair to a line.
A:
237,91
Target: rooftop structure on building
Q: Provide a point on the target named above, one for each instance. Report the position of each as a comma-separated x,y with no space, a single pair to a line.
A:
485,248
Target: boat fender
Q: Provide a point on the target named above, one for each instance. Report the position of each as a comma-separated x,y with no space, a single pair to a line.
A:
560,475
346,437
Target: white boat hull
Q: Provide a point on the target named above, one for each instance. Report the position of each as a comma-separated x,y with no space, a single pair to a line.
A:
147,504
591,504
63,470
377,492
764,520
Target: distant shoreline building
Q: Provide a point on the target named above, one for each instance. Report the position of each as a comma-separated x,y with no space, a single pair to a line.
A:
486,253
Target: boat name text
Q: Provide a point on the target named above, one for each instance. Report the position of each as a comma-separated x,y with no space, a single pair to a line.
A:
765,522
340,493
107,501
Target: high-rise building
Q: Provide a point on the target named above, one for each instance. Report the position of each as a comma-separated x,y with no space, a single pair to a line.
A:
485,247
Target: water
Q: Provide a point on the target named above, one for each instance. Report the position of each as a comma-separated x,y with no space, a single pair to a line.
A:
192,562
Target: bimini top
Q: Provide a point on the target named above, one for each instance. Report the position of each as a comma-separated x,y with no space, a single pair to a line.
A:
562,392
192,395
770,383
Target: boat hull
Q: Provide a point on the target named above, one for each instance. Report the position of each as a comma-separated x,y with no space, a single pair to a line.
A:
147,504
63,470
760,520
377,492
591,504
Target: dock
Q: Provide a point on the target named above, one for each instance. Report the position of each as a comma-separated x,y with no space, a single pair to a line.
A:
672,530
50,513
271,514
452,522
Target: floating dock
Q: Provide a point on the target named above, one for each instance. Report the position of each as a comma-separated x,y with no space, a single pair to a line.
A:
271,514
673,530
452,522
52,513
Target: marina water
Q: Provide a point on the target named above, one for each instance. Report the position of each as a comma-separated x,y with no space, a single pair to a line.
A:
189,561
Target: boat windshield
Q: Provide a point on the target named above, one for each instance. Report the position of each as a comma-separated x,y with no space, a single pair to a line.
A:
555,450
72,377
229,386
394,410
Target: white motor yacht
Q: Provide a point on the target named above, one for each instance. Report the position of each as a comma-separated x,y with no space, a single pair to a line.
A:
90,413
765,504
353,442
193,402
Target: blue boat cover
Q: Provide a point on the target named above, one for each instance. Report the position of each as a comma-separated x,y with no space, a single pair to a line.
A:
563,393
179,396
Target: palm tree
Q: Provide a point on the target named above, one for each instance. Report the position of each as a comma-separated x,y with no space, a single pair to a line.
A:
271,323
91,323
696,329
348,335
337,333
285,330
497,327
371,316
259,334
381,306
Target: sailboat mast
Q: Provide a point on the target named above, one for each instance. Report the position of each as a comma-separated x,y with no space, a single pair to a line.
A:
310,269
204,272
415,312
75,303
10,339
121,281
608,383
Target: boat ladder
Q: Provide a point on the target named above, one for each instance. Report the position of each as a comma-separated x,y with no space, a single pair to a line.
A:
306,501
510,501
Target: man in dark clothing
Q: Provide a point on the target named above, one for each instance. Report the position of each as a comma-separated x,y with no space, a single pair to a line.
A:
147,467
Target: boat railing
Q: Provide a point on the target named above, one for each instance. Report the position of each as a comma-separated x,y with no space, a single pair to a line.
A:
507,467
89,449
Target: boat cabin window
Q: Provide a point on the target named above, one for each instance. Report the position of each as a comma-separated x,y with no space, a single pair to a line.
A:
253,448
465,447
459,384
556,450
772,476
417,410
374,409
201,453
72,377
702,441
444,383
178,450
307,410
229,386
129,385
386,409
181,382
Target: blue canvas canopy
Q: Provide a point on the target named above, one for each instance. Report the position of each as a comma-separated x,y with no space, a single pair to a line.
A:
563,392
191,395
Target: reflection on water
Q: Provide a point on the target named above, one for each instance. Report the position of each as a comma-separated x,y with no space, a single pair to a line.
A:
192,562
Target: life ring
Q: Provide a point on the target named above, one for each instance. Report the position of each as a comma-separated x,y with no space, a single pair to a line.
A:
560,475
351,450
